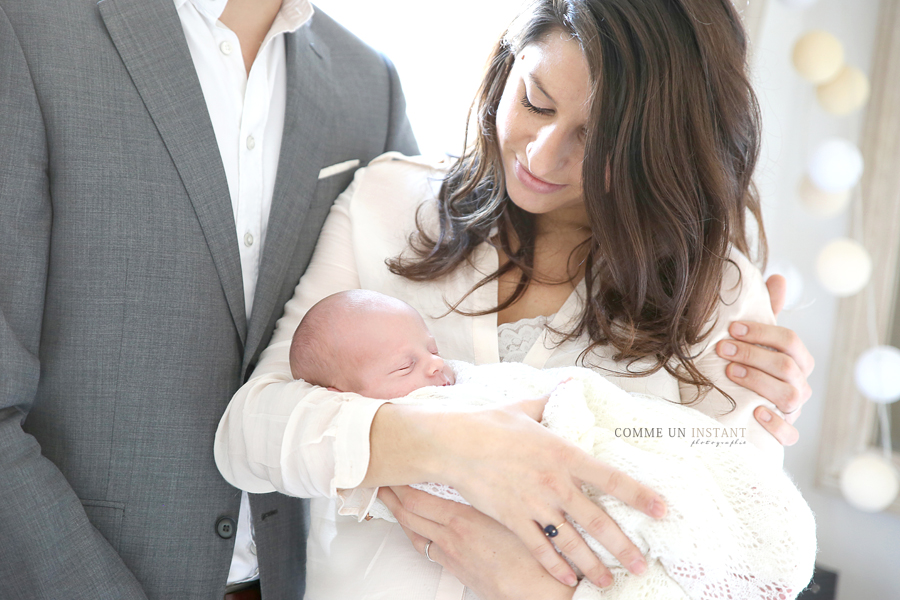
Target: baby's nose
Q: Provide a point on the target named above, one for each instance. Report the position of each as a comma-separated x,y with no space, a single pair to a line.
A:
437,365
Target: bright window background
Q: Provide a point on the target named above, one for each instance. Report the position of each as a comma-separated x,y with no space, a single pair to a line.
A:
440,50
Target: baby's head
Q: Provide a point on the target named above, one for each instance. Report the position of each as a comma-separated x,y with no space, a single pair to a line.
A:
368,343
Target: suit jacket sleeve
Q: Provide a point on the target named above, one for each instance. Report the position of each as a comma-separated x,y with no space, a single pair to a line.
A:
400,134
49,547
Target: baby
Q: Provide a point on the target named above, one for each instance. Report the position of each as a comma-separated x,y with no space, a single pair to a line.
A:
368,343
740,527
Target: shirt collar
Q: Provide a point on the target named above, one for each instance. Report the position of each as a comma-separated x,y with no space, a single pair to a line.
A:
292,15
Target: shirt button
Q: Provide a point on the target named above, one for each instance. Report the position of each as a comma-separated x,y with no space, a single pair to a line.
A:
225,528
225,47
251,143
248,239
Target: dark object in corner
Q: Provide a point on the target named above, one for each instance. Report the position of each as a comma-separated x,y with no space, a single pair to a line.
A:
822,586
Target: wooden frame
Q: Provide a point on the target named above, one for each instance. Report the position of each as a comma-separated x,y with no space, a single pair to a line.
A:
850,421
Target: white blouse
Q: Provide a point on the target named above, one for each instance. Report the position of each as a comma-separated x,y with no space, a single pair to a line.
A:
282,435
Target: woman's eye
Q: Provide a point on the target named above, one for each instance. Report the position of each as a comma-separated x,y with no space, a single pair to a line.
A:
534,109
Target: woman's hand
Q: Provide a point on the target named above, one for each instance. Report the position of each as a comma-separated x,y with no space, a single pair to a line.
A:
773,362
520,474
483,554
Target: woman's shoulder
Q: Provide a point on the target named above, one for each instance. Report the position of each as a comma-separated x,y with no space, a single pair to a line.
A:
744,293
741,275
395,182
397,161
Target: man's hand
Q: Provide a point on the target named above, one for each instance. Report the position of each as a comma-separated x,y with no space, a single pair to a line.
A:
773,362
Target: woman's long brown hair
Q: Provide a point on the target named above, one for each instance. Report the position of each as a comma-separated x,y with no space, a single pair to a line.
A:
672,143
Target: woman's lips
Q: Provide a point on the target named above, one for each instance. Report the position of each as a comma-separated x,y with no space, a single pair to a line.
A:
533,183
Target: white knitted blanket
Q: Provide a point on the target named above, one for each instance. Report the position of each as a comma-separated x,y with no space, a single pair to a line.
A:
736,528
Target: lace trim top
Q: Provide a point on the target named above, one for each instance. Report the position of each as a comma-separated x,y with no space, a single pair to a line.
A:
515,339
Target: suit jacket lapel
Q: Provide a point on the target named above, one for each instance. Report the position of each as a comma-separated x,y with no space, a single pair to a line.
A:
149,38
307,122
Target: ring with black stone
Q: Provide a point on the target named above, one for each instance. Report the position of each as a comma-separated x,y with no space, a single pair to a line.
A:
551,531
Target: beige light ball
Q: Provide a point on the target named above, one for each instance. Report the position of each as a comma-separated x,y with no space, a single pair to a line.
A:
818,56
844,267
869,482
821,203
847,92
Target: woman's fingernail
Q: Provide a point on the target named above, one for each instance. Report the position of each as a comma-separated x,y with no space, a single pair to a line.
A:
739,329
637,567
738,371
764,415
729,349
657,509
571,580
606,580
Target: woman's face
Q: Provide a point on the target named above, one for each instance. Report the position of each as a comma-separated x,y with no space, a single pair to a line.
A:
541,121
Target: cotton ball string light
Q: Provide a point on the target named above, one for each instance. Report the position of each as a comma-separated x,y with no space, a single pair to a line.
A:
844,267
869,482
835,165
877,374
818,56
792,276
821,203
847,92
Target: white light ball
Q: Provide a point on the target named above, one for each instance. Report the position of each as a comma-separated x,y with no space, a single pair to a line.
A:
794,279
821,203
835,165
869,482
798,3
844,267
877,374
818,56
847,92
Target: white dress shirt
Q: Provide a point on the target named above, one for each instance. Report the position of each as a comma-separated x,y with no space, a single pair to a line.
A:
284,435
247,114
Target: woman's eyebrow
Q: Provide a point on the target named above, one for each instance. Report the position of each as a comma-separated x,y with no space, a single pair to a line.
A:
537,83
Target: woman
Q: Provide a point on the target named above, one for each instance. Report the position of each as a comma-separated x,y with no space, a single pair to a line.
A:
602,206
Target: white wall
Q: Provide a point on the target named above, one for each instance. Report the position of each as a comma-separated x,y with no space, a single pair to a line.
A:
863,548
439,49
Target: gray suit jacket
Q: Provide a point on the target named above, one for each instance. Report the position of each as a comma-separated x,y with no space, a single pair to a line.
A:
122,324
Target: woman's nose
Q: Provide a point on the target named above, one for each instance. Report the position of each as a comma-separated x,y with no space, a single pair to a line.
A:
548,152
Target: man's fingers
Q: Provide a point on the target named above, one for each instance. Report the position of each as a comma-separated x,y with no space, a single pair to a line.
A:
788,396
784,432
780,338
776,364
777,286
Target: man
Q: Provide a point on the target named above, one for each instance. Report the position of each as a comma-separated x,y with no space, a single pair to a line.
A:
165,167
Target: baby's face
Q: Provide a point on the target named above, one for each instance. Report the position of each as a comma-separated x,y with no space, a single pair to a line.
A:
396,354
